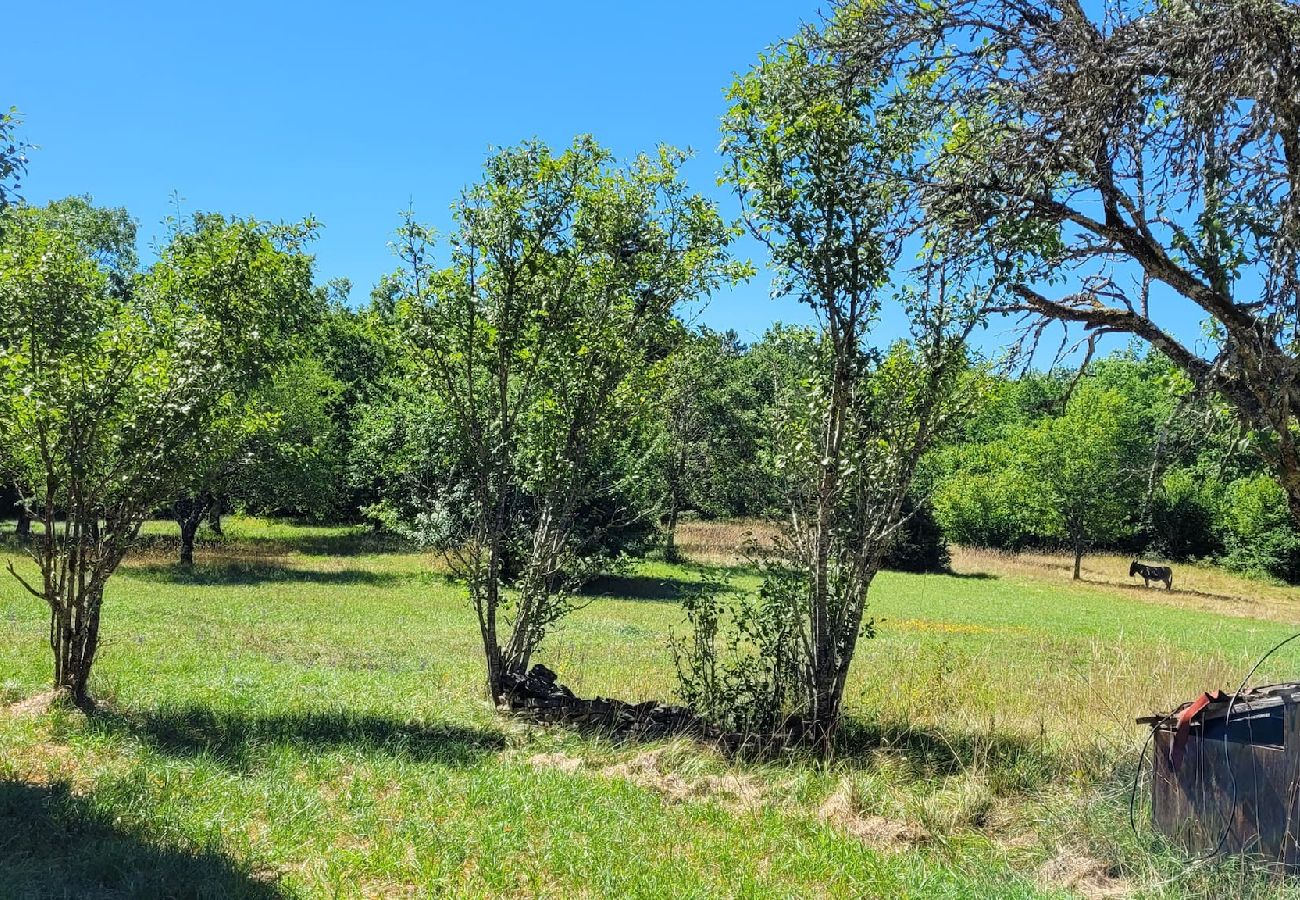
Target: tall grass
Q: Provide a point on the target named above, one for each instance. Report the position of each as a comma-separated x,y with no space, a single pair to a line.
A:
303,715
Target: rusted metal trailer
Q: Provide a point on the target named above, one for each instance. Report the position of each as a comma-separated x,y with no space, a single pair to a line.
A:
1226,774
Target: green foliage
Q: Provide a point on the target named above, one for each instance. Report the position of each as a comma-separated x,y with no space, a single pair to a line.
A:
1185,514
920,544
705,445
1078,469
1076,477
116,386
291,461
985,502
13,160
738,662
536,346
1258,533
362,352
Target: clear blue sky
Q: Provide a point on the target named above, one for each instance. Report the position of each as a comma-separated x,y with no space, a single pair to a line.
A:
350,111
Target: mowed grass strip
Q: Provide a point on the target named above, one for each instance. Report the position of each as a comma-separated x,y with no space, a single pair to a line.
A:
302,714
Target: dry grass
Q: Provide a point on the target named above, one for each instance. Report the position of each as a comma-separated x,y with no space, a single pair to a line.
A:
724,542
1076,871
844,811
1198,587
1201,587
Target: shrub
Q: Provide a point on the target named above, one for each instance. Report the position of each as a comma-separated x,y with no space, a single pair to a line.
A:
1184,516
920,545
1259,536
736,665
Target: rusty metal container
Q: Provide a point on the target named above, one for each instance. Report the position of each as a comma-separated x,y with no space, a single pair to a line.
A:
1231,785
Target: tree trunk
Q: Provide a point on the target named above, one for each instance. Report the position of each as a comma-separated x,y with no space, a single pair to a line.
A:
23,528
214,518
1078,558
188,531
670,537
189,513
824,714
675,498
74,638
494,668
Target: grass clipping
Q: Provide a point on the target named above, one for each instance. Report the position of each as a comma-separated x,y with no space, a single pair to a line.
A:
647,770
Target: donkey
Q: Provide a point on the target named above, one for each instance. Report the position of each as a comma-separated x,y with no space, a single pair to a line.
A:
1152,573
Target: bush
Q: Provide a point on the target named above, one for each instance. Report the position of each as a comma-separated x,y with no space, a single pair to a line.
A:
737,667
980,500
1184,516
920,545
1259,536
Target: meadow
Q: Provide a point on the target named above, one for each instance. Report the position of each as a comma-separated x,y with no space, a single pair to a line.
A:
302,714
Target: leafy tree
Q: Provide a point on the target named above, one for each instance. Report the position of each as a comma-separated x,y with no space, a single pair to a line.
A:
1184,520
247,254
1079,483
708,434
111,386
1259,536
820,167
983,499
535,343
1077,477
1099,162
361,350
287,461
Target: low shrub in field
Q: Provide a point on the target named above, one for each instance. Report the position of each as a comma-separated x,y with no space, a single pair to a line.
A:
737,665
1259,536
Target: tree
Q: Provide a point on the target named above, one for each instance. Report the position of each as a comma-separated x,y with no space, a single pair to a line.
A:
1103,167
535,343
111,386
279,453
362,352
817,161
1080,480
708,433
252,426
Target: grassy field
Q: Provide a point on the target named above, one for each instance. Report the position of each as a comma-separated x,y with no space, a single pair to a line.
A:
302,714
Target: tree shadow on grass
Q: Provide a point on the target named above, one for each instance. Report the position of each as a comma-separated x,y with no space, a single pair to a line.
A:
239,741
237,574
1158,590
351,543
639,587
56,844
1015,762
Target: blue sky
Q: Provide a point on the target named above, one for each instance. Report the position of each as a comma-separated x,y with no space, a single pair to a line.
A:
351,111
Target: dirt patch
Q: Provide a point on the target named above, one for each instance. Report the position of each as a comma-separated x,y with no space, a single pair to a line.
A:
840,811
1083,874
30,707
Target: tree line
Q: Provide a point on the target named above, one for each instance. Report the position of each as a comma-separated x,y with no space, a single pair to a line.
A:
522,395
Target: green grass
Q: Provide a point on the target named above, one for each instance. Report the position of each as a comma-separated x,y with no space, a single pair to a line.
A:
303,715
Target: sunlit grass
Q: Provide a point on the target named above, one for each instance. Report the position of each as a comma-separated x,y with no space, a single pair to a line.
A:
303,715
